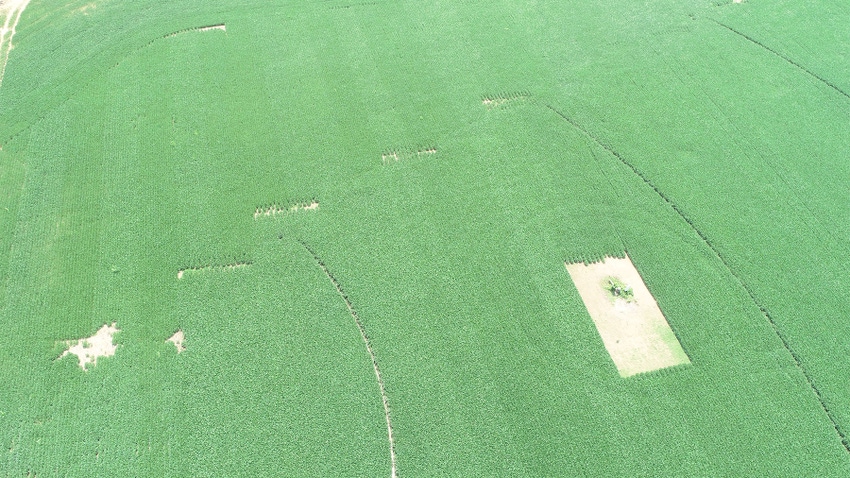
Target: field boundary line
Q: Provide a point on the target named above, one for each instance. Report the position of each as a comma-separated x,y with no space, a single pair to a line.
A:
369,349
729,126
787,59
798,362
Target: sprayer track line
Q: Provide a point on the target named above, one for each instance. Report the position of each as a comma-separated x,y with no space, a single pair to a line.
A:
787,59
795,200
797,361
365,337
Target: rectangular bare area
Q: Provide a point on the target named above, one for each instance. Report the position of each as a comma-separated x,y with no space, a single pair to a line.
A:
633,329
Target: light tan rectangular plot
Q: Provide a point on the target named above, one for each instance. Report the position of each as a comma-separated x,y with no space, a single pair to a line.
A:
633,329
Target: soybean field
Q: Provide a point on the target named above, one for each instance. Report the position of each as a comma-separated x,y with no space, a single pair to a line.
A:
401,238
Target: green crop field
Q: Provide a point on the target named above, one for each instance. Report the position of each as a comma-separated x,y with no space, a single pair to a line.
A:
352,219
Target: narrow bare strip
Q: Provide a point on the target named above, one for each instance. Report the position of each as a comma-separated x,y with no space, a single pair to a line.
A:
213,27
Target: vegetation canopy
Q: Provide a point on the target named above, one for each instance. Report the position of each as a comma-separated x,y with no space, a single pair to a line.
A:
424,238
618,289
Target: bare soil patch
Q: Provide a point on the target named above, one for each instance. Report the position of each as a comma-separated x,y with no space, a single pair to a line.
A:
633,329
89,349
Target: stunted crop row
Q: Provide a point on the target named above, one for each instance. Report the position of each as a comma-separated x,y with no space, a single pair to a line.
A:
396,155
275,209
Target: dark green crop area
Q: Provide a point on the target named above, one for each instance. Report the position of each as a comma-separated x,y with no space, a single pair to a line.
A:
459,152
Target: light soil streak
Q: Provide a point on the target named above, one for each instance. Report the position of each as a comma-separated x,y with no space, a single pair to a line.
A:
12,11
362,329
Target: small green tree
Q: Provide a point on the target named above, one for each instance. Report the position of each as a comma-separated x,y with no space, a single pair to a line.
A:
618,289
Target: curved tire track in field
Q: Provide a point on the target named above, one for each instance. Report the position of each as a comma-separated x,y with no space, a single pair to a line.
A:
844,441
4,53
365,337
789,60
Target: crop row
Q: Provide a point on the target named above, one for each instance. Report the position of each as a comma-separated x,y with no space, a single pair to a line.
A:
276,209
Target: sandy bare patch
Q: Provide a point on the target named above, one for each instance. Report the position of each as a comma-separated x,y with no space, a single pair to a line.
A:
177,340
278,210
10,15
632,327
89,349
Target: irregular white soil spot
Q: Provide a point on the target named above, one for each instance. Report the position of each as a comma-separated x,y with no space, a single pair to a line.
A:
633,329
177,340
89,349
277,210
